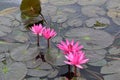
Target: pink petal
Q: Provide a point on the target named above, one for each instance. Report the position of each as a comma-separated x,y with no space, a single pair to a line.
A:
67,62
79,66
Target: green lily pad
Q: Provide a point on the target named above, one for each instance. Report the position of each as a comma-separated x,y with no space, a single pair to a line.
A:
55,58
62,2
38,72
102,62
91,2
15,71
112,77
114,50
95,55
7,46
98,38
32,78
98,23
23,53
92,11
53,73
33,63
32,9
111,67
19,36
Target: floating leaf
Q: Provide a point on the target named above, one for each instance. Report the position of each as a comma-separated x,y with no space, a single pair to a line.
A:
23,53
98,38
33,63
111,67
95,55
98,63
53,73
8,11
91,2
112,77
62,2
38,73
7,46
15,71
55,58
92,11
98,23
32,9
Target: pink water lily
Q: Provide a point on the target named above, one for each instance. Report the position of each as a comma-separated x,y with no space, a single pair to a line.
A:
76,59
37,29
49,33
69,46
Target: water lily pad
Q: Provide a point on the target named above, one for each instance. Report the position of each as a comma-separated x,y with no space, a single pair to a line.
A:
4,30
112,77
62,2
2,57
91,2
98,39
111,67
15,71
2,34
114,14
44,1
114,50
50,9
43,70
74,78
19,36
23,53
30,10
92,11
57,39
8,11
95,55
75,22
32,78
5,21
7,46
102,62
59,18
113,4
55,58
33,63
98,23
37,73
53,73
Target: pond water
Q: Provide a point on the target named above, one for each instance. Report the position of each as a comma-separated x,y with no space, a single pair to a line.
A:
95,23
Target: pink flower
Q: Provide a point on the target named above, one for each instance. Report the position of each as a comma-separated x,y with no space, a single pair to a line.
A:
37,29
49,33
68,46
76,59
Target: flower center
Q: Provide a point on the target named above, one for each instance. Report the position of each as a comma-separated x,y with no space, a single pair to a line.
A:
70,47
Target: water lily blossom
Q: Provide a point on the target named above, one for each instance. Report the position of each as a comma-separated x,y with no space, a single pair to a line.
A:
76,59
49,33
37,29
69,46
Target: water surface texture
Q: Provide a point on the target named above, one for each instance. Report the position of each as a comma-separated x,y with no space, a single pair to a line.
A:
95,23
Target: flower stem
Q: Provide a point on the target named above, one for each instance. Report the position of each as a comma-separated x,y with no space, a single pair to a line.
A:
69,73
75,71
48,44
38,38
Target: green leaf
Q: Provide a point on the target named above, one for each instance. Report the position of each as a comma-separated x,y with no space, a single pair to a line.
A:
30,8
